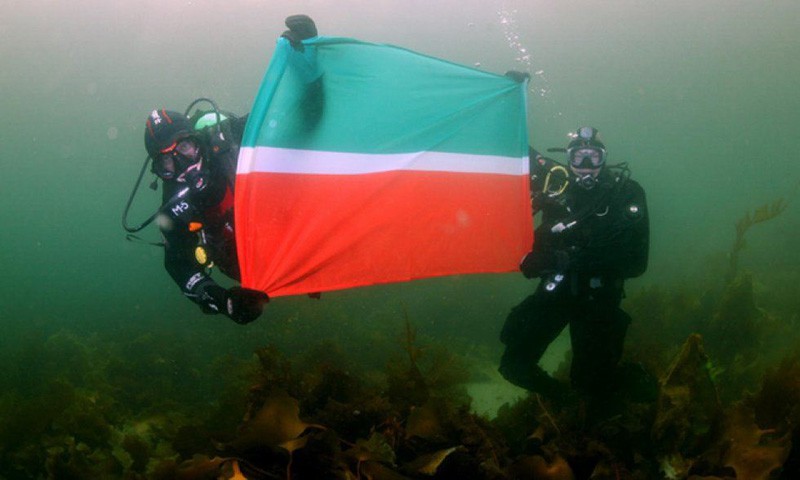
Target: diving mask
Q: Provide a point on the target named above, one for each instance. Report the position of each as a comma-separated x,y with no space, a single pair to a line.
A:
587,157
176,160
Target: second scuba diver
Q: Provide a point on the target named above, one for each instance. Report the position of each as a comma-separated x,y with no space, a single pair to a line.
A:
594,233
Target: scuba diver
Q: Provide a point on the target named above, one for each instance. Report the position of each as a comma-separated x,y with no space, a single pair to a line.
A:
594,233
195,158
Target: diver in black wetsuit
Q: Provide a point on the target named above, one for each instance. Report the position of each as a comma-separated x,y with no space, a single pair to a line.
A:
594,233
196,160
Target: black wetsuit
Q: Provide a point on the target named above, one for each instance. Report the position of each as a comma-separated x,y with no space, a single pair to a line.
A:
204,218
582,270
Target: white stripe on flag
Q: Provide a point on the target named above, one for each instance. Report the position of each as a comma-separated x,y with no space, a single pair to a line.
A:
285,160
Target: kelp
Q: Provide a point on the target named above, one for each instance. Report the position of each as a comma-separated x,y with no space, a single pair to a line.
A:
728,404
689,411
537,467
735,323
354,429
315,415
751,452
663,319
777,404
310,418
336,424
761,214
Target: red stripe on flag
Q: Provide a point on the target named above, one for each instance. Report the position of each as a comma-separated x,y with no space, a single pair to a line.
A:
305,233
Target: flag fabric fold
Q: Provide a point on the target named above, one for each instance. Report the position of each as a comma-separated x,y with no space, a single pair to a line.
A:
365,163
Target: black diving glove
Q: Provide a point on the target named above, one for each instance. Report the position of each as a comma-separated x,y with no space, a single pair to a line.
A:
209,296
518,76
244,305
301,27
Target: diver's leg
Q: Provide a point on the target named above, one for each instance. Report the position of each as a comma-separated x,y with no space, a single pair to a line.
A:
597,334
529,329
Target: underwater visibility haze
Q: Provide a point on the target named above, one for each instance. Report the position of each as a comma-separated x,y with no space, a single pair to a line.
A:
108,372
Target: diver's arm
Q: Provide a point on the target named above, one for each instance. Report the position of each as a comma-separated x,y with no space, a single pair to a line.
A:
242,305
545,256
550,250
180,263
179,247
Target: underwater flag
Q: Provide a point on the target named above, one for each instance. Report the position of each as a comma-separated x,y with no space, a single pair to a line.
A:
366,163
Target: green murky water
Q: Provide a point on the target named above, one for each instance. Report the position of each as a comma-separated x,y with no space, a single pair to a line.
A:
701,98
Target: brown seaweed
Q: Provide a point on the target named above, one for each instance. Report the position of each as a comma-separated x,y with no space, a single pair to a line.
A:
537,467
750,451
94,409
689,408
761,214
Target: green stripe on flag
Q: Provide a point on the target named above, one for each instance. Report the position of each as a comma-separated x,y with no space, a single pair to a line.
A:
343,95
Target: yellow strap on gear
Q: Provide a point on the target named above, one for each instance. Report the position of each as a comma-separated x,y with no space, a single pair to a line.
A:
563,171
